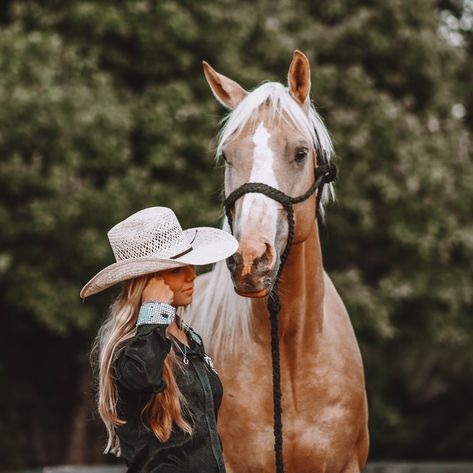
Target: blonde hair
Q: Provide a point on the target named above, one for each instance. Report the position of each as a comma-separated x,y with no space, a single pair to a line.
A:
163,409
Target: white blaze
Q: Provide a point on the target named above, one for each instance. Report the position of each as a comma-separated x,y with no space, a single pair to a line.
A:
259,206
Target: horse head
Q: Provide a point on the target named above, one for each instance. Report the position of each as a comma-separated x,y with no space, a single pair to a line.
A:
273,136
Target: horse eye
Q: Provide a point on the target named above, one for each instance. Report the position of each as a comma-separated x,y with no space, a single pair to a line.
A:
224,157
300,156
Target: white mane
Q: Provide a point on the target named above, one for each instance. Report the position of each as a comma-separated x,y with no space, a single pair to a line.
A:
219,315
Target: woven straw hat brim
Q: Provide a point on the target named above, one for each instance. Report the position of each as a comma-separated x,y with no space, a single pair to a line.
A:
209,245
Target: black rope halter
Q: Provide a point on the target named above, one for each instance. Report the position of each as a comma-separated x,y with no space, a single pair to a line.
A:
324,173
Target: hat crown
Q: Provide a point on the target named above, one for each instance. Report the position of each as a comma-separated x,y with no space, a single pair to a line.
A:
151,232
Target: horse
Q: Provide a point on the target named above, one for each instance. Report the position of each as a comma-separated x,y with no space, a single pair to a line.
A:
273,135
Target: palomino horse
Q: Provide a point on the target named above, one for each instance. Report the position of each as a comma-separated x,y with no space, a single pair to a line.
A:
273,135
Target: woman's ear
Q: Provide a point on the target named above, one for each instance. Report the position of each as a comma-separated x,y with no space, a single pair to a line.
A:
298,78
226,91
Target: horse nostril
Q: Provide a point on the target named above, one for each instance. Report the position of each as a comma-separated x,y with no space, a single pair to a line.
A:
265,262
271,255
234,262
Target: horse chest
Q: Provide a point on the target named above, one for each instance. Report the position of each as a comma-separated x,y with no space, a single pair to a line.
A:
310,440
317,420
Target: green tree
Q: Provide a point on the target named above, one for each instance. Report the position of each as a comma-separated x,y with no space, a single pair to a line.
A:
105,111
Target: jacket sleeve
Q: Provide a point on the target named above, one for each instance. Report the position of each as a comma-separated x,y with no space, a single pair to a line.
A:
139,366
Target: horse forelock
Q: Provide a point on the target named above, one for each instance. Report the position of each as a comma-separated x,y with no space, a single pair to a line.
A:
278,104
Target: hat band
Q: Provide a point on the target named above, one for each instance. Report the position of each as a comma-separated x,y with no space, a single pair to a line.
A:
182,254
188,250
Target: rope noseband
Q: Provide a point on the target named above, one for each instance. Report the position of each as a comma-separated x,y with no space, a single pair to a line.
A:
324,173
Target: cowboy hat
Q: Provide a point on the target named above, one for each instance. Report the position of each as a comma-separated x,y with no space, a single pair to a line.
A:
152,240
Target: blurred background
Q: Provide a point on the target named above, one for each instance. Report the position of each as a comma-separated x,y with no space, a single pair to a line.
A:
105,110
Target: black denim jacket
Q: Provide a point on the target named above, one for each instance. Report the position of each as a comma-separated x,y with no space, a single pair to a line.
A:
139,372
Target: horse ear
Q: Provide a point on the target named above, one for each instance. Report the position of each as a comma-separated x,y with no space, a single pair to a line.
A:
226,91
298,77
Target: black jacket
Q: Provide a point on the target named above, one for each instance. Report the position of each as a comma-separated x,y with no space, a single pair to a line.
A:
139,371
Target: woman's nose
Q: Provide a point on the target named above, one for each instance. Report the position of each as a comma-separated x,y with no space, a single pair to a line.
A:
191,275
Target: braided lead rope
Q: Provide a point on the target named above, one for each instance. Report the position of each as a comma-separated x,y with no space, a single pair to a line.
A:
325,173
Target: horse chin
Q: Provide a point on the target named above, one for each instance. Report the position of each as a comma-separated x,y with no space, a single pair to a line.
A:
253,294
255,289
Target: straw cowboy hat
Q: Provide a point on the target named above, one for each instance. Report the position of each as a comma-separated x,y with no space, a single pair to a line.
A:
152,240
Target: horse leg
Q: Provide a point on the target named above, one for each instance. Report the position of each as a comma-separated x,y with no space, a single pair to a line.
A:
360,455
352,466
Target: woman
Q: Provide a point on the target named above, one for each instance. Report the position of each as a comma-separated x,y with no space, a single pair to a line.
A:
158,392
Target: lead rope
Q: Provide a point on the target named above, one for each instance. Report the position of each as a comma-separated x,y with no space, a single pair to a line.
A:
325,173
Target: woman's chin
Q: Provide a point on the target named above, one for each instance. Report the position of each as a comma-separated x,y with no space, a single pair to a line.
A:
183,300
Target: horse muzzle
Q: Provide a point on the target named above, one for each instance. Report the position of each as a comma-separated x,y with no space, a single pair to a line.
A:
253,268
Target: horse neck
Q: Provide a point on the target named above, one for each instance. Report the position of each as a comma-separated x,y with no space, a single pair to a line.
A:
301,292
